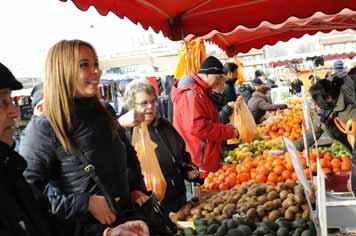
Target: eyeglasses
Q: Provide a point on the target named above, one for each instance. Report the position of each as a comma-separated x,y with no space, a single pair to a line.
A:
152,102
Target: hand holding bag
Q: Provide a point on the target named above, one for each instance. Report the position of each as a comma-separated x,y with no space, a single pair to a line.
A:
151,170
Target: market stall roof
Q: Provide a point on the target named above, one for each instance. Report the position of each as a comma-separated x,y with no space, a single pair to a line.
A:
178,18
242,39
327,57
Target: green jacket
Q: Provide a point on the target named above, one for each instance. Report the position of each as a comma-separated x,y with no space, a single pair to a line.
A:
343,111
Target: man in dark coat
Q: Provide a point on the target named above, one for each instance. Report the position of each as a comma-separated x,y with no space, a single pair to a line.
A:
23,213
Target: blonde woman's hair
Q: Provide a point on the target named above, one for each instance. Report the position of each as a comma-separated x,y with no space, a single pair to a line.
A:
135,87
61,78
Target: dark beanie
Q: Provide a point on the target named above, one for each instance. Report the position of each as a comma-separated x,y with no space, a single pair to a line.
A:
211,65
259,73
7,79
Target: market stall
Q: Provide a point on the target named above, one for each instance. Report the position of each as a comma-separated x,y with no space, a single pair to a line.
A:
262,189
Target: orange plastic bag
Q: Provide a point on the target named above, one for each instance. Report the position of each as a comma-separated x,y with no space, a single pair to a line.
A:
242,119
145,148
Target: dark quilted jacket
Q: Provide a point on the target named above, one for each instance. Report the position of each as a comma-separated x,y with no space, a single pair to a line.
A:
51,168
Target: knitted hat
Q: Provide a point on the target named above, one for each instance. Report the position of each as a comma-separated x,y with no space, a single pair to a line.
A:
211,65
7,79
338,66
259,73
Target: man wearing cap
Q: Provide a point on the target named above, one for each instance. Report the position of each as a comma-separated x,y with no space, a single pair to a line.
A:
196,118
24,211
20,215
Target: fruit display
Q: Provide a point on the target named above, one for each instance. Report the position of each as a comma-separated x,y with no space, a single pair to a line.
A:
251,209
239,226
286,123
258,202
266,168
255,148
332,159
295,103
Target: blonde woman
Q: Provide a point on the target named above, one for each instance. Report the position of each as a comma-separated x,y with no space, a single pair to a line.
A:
175,162
74,124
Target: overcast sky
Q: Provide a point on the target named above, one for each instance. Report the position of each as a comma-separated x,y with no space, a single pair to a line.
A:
28,28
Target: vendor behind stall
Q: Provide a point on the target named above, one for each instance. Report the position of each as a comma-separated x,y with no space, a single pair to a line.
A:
331,101
329,97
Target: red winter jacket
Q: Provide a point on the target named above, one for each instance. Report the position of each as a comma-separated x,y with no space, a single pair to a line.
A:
197,120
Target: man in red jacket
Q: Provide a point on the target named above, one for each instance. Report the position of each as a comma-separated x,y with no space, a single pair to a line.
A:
196,118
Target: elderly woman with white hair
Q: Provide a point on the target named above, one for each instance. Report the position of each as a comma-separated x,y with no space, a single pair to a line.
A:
175,162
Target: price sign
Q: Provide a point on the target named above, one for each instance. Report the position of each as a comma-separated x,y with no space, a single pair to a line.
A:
298,167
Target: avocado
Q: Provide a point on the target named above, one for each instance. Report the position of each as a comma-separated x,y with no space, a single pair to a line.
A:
188,231
250,223
282,232
212,221
231,224
300,223
200,221
235,232
245,229
308,232
201,228
311,226
281,222
221,231
297,232
272,225
262,229
238,219
180,233
230,212
212,228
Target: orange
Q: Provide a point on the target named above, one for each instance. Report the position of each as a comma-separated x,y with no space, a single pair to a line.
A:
278,169
307,173
273,177
286,174
324,163
345,157
253,174
313,167
260,178
281,179
244,177
328,156
223,186
230,182
346,164
294,176
326,170
277,162
335,163
263,170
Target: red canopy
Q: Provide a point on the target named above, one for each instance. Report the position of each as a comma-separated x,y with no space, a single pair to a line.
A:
243,39
178,18
328,57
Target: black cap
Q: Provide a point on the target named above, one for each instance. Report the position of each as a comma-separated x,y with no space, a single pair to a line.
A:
7,79
259,73
211,65
36,94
